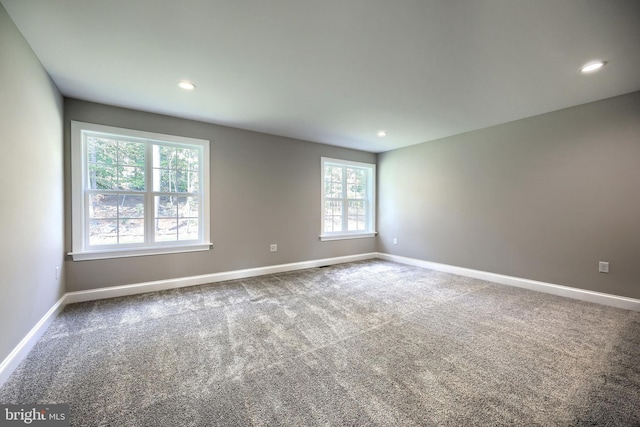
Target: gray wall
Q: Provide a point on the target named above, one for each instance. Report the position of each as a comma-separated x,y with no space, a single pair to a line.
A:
543,198
264,189
32,177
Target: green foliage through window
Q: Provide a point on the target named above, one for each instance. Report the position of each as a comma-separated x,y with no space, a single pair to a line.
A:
347,197
117,181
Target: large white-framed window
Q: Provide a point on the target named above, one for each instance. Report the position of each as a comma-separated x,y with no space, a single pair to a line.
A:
348,199
137,193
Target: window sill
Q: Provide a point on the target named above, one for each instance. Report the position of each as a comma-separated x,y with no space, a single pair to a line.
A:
126,253
328,237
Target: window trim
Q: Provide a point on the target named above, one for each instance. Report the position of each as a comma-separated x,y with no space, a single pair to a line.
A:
78,203
371,189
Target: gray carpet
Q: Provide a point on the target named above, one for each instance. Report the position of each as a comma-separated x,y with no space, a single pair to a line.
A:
369,343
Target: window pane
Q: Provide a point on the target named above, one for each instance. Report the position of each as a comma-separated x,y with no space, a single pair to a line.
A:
356,183
103,232
188,229
193,182
130,206
116,219
356,223
130,231
357,216
166,207
356,208
328,224
332,223
131,153
114,164
337,223
131,178
166,230
333,208
167,180
188,207
333,184
333,173
336,190
102,177
164,157
327,188
102,150
183,181
188,159
103,206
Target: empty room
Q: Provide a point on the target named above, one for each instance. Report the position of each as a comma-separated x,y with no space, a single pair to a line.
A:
320,213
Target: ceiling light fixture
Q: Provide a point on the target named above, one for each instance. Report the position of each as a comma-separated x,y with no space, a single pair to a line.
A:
186,85
591,67
382,134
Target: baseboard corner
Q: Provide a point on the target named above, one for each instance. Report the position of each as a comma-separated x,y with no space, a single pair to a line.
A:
11,362
534,285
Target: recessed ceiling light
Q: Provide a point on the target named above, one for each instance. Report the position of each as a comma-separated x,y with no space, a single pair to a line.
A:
186,85
382,133
592,66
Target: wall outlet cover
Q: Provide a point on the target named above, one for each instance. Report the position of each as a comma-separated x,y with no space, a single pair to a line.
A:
603,267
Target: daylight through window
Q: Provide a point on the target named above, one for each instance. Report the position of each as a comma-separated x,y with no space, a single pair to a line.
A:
348,199
137,193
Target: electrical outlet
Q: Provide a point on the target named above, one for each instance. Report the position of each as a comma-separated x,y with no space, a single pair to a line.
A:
273,248
395,240
603,267
57,273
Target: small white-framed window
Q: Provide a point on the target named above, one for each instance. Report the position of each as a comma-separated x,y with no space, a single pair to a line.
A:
348,199
137,193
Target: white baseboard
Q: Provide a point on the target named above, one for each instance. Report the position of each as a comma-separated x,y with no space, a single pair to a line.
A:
161,285
11,362
548,288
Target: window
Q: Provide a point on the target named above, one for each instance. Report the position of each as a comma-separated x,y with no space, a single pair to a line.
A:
137,193
348,199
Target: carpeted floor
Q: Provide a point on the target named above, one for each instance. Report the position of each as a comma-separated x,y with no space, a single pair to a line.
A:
370,343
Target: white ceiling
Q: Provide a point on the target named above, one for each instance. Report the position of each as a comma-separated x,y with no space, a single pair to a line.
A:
337,71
